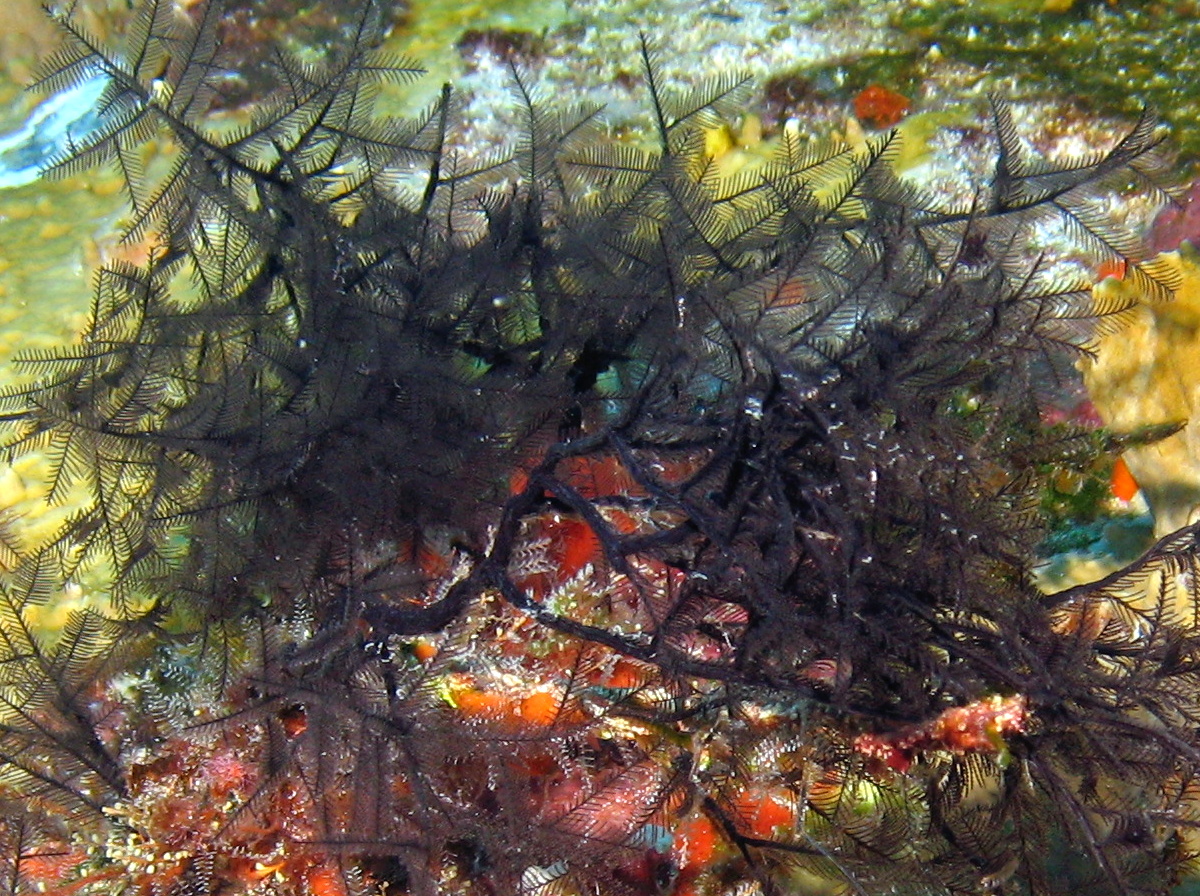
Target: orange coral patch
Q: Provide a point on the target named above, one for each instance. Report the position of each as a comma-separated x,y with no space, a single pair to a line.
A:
325,882
696,843
596,477
1113,268
1124,486
626,674
424,649
579,546
514,712
880,107
761,812
540,708
294,720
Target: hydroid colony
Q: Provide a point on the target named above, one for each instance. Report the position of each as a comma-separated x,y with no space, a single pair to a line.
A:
578,520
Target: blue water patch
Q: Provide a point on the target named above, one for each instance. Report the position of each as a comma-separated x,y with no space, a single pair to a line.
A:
63,120
653,837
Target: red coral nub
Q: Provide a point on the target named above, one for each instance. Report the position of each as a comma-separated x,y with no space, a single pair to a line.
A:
978,727
879,107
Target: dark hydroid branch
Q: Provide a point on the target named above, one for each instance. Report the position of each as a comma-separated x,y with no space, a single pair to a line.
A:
593,512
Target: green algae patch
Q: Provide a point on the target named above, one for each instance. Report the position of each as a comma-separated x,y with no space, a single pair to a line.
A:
1120,58
51,236
432,30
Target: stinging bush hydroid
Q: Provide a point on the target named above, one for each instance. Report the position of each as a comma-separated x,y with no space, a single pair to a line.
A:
579,519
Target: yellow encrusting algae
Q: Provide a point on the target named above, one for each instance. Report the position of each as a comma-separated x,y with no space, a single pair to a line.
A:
1148,372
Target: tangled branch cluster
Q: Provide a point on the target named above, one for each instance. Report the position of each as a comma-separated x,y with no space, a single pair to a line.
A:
578,519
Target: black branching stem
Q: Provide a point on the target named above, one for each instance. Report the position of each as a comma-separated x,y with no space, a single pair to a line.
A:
571,517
